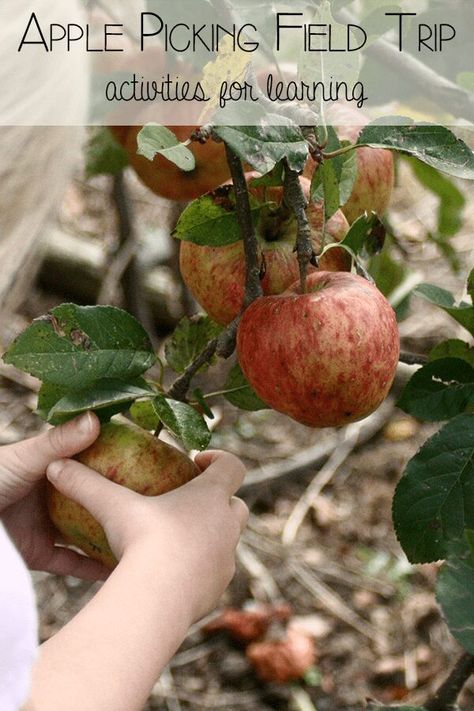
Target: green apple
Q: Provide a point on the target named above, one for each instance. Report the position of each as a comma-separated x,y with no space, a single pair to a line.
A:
129,456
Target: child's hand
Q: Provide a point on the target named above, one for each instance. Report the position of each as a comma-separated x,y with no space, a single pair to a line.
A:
22,497
189,534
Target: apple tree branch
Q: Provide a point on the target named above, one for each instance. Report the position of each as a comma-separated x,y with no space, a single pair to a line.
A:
224,344
296,200
446,696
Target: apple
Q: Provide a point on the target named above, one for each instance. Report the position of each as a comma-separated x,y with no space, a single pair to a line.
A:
325,358
373,187
164,178
127,455
216,275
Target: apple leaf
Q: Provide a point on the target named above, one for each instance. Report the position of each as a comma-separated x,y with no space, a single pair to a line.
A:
366,236
144,415
463,314
201,401
266,145
74,346
183,421
189,340
439,391
212,219
106,397
450,210
454,348
240,393
455,595
153,139
334,180
434,501
435,145
104,154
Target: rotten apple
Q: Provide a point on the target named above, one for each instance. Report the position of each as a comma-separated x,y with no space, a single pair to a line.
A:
216,275
326,357
129,456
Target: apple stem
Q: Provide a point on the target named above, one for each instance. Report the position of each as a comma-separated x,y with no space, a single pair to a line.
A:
181,385
295,199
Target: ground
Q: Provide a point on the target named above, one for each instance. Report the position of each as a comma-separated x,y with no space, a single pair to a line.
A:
376,626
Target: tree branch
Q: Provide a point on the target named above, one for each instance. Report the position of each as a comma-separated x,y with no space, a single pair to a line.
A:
224,344
446,696
295,199
253,287
428,82
413,358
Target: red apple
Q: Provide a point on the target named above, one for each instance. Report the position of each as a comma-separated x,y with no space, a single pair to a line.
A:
164,178
127,455
325,358
216,275
373,187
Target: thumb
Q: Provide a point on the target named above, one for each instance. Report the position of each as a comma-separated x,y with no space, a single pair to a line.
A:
32,456
86,487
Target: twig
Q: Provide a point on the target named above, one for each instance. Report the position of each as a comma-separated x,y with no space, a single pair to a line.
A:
413,359
345,446
331,600
253,287
168,690
256,569
224,345
301,700
312,456
131,276
295,199
446,696
181,385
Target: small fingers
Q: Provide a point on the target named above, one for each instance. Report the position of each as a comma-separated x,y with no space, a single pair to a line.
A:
85,487
32,456
64,561
221,469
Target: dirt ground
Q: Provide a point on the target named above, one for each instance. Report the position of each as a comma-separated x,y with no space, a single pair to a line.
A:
376,626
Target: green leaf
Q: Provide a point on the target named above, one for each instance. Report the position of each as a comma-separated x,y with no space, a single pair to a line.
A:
104,154
111,395
212,219
201,401
74,346
366,235
439,391
434,501
265,146
183,421
144,415
240,393
153,139
435,145
455,595
454,348
334,180
388,273
463,314
189,340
